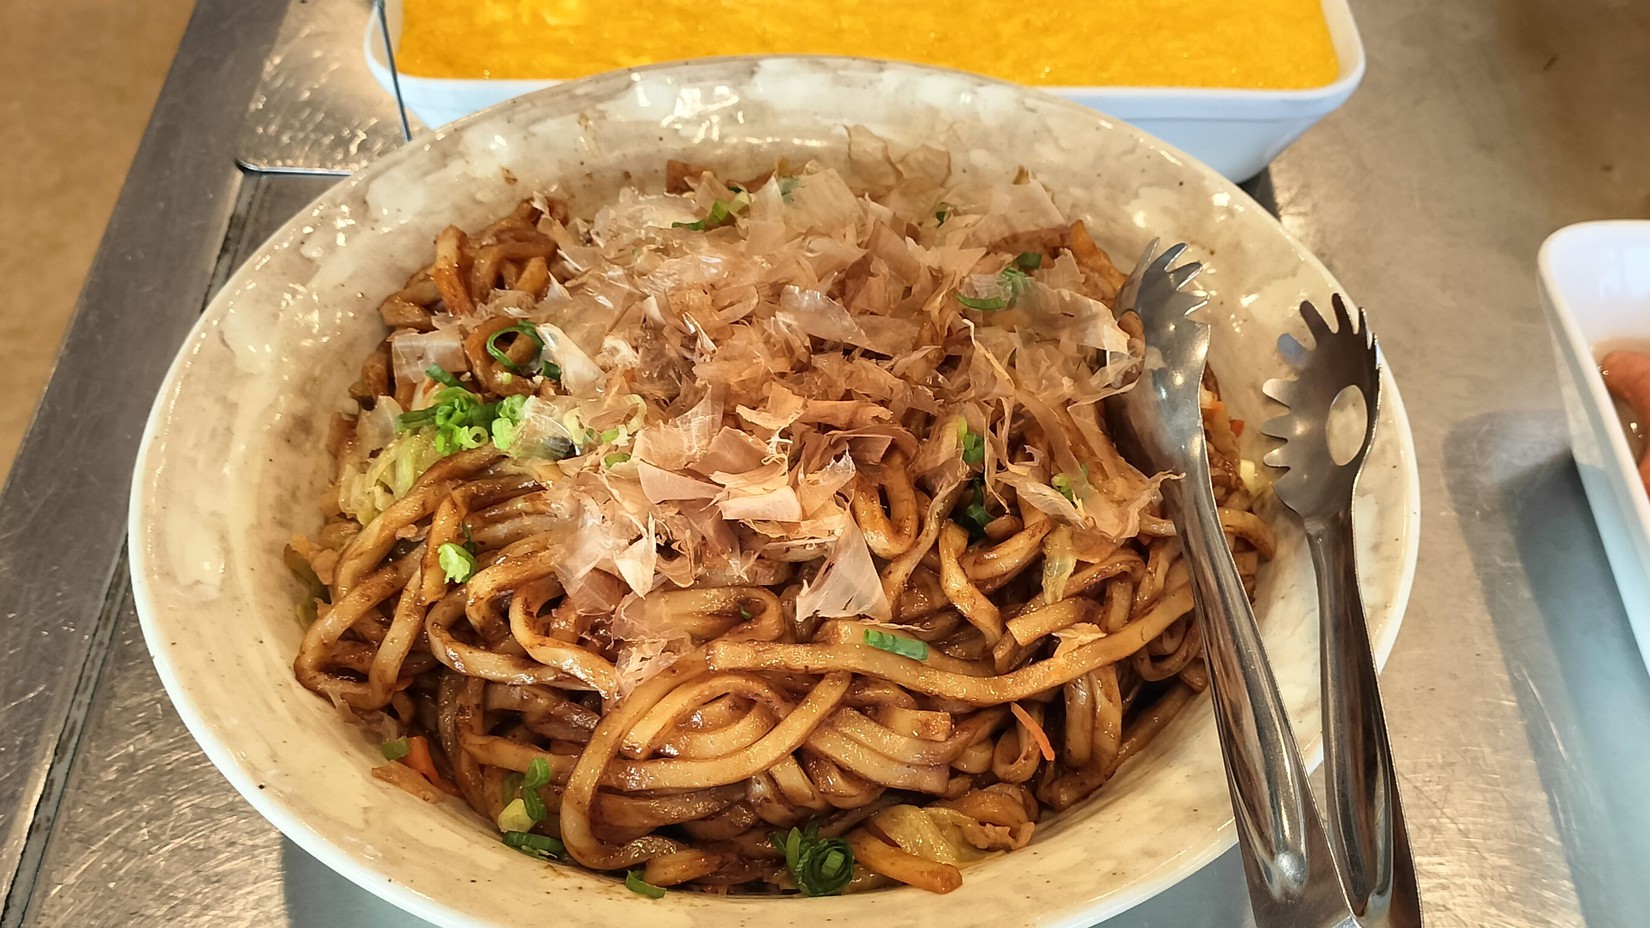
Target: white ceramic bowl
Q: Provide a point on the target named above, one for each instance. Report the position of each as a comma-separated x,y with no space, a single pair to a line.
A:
232,465
1595,287
1236,132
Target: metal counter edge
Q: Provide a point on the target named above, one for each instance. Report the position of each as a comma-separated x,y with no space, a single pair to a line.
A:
63,508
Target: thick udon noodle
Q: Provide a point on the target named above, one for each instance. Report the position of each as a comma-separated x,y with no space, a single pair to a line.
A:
685,727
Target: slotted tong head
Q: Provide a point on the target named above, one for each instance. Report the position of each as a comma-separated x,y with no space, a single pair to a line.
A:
1358,871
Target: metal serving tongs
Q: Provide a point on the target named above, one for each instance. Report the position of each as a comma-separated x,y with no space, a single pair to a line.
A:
1367,828
1292,877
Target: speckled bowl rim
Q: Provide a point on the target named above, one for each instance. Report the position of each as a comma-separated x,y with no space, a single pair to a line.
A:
219,745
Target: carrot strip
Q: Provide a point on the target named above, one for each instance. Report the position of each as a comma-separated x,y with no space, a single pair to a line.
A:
418,758
1037,733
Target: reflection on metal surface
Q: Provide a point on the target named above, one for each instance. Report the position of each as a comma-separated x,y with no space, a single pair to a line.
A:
142,808
317,108
63,510
155,837
55,787
1582,709
146,808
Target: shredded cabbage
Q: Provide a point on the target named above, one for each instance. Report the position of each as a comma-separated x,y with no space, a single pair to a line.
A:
932,833
1059,562
364,492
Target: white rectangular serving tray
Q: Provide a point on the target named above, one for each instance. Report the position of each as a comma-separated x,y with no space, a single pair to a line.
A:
1236,132
1595,288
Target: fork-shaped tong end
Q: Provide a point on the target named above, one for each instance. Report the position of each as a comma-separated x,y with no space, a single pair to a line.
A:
1368,832
1161,416
1159,426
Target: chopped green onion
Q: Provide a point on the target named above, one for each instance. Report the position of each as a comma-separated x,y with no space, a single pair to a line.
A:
820,866
395,750
975,517
633,881
617,457
1015,281
581,436
613,434
744,613
1030,260
533,803
789,844
506,378
537,775
460,419
524,330
507,420
1063,483
834,864
415,418
515,818
460,438
512,787
550,369
896,644
528,785
452,401
542,847
457,563
983,304
722,212
978,517
440,376
942,212
973,448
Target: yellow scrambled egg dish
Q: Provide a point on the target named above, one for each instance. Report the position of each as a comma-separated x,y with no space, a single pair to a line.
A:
1269,44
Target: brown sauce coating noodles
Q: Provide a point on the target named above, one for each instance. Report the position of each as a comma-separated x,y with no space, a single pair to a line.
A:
797,513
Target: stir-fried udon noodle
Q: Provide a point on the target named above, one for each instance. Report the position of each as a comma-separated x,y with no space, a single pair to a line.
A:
759,535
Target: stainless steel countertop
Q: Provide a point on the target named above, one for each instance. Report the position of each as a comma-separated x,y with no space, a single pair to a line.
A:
1519,710
314,74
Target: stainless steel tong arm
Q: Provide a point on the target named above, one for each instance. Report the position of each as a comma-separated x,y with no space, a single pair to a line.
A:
1292,878
1158,424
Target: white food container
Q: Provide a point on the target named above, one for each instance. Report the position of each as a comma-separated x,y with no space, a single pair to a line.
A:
1595,288
1236,132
